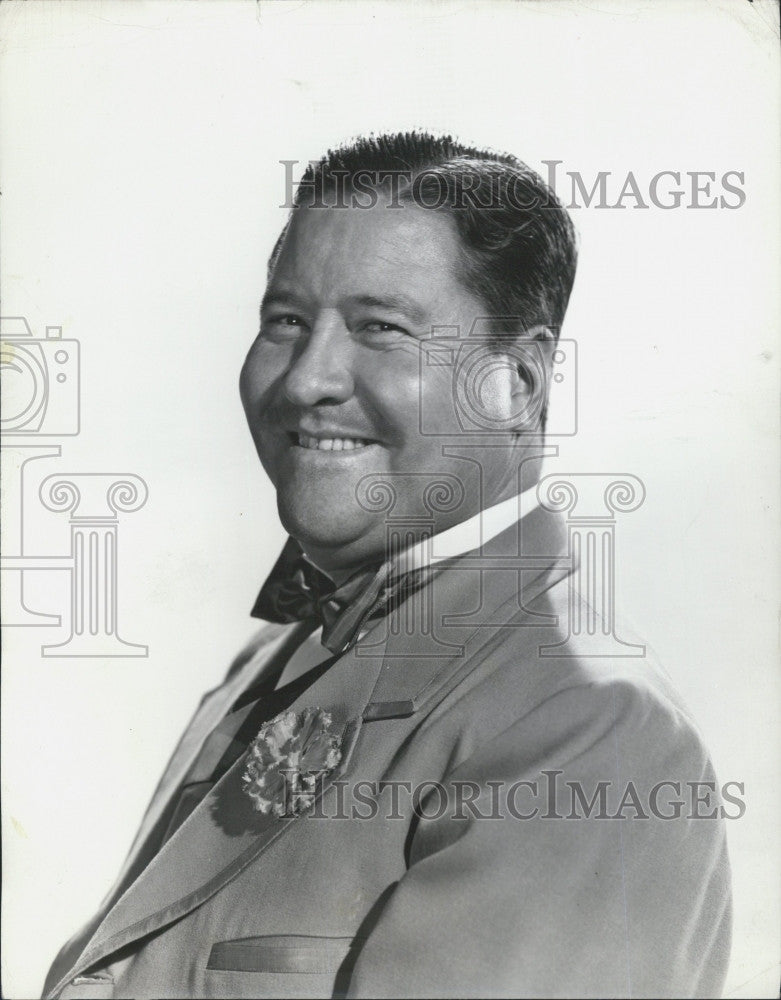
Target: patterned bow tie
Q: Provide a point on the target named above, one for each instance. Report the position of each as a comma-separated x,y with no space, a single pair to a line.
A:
297,591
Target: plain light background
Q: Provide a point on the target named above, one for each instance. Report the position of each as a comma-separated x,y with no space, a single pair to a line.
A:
140,189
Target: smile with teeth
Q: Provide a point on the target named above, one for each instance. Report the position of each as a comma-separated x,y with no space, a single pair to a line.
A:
332,444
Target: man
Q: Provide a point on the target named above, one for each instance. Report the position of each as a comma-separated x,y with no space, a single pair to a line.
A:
423,778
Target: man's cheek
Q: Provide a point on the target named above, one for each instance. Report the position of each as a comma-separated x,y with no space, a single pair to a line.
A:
264,368
436,402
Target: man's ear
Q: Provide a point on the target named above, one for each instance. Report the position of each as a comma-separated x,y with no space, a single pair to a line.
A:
532,356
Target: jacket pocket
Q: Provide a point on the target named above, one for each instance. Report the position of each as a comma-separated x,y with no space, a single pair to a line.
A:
300,953
96,987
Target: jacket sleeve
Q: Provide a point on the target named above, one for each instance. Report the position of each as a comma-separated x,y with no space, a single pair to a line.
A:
562,878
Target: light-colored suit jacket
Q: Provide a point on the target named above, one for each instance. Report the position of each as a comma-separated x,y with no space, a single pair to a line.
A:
434,895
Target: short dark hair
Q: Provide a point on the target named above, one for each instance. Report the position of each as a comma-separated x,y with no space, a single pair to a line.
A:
519,248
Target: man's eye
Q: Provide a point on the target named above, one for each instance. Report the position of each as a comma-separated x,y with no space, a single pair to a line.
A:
282,325
380,326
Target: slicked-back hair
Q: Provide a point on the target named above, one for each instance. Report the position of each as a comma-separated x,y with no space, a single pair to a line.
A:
518,244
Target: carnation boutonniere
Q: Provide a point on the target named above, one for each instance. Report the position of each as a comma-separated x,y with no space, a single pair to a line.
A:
287,758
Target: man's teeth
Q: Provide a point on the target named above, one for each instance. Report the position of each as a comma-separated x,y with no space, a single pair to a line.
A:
331,444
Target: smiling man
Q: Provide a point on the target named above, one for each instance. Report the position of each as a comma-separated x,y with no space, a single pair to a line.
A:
333,384
425,777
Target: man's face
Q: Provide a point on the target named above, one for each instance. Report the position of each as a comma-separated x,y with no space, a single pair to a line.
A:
332,385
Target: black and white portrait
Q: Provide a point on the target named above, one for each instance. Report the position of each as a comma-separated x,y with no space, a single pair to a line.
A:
390,499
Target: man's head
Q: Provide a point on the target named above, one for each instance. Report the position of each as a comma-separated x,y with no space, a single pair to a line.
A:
397,247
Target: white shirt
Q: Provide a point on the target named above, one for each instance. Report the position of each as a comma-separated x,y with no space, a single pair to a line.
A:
469,534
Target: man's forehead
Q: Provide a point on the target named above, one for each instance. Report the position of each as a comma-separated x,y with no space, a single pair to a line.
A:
409,243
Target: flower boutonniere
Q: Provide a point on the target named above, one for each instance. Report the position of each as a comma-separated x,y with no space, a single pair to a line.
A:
287,758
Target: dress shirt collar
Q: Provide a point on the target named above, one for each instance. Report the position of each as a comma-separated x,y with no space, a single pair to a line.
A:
470,534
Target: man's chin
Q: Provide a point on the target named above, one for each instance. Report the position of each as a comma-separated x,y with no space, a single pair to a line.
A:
330,537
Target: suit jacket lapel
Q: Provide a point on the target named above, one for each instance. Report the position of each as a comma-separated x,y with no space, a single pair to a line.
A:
472,601
224,835
212,709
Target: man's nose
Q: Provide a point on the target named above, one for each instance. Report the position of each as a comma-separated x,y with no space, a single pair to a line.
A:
321,373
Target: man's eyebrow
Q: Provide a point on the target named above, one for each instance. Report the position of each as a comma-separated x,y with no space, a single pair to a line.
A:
277,296
394,302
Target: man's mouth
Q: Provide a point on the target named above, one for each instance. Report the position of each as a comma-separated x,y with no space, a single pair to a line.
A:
331,443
